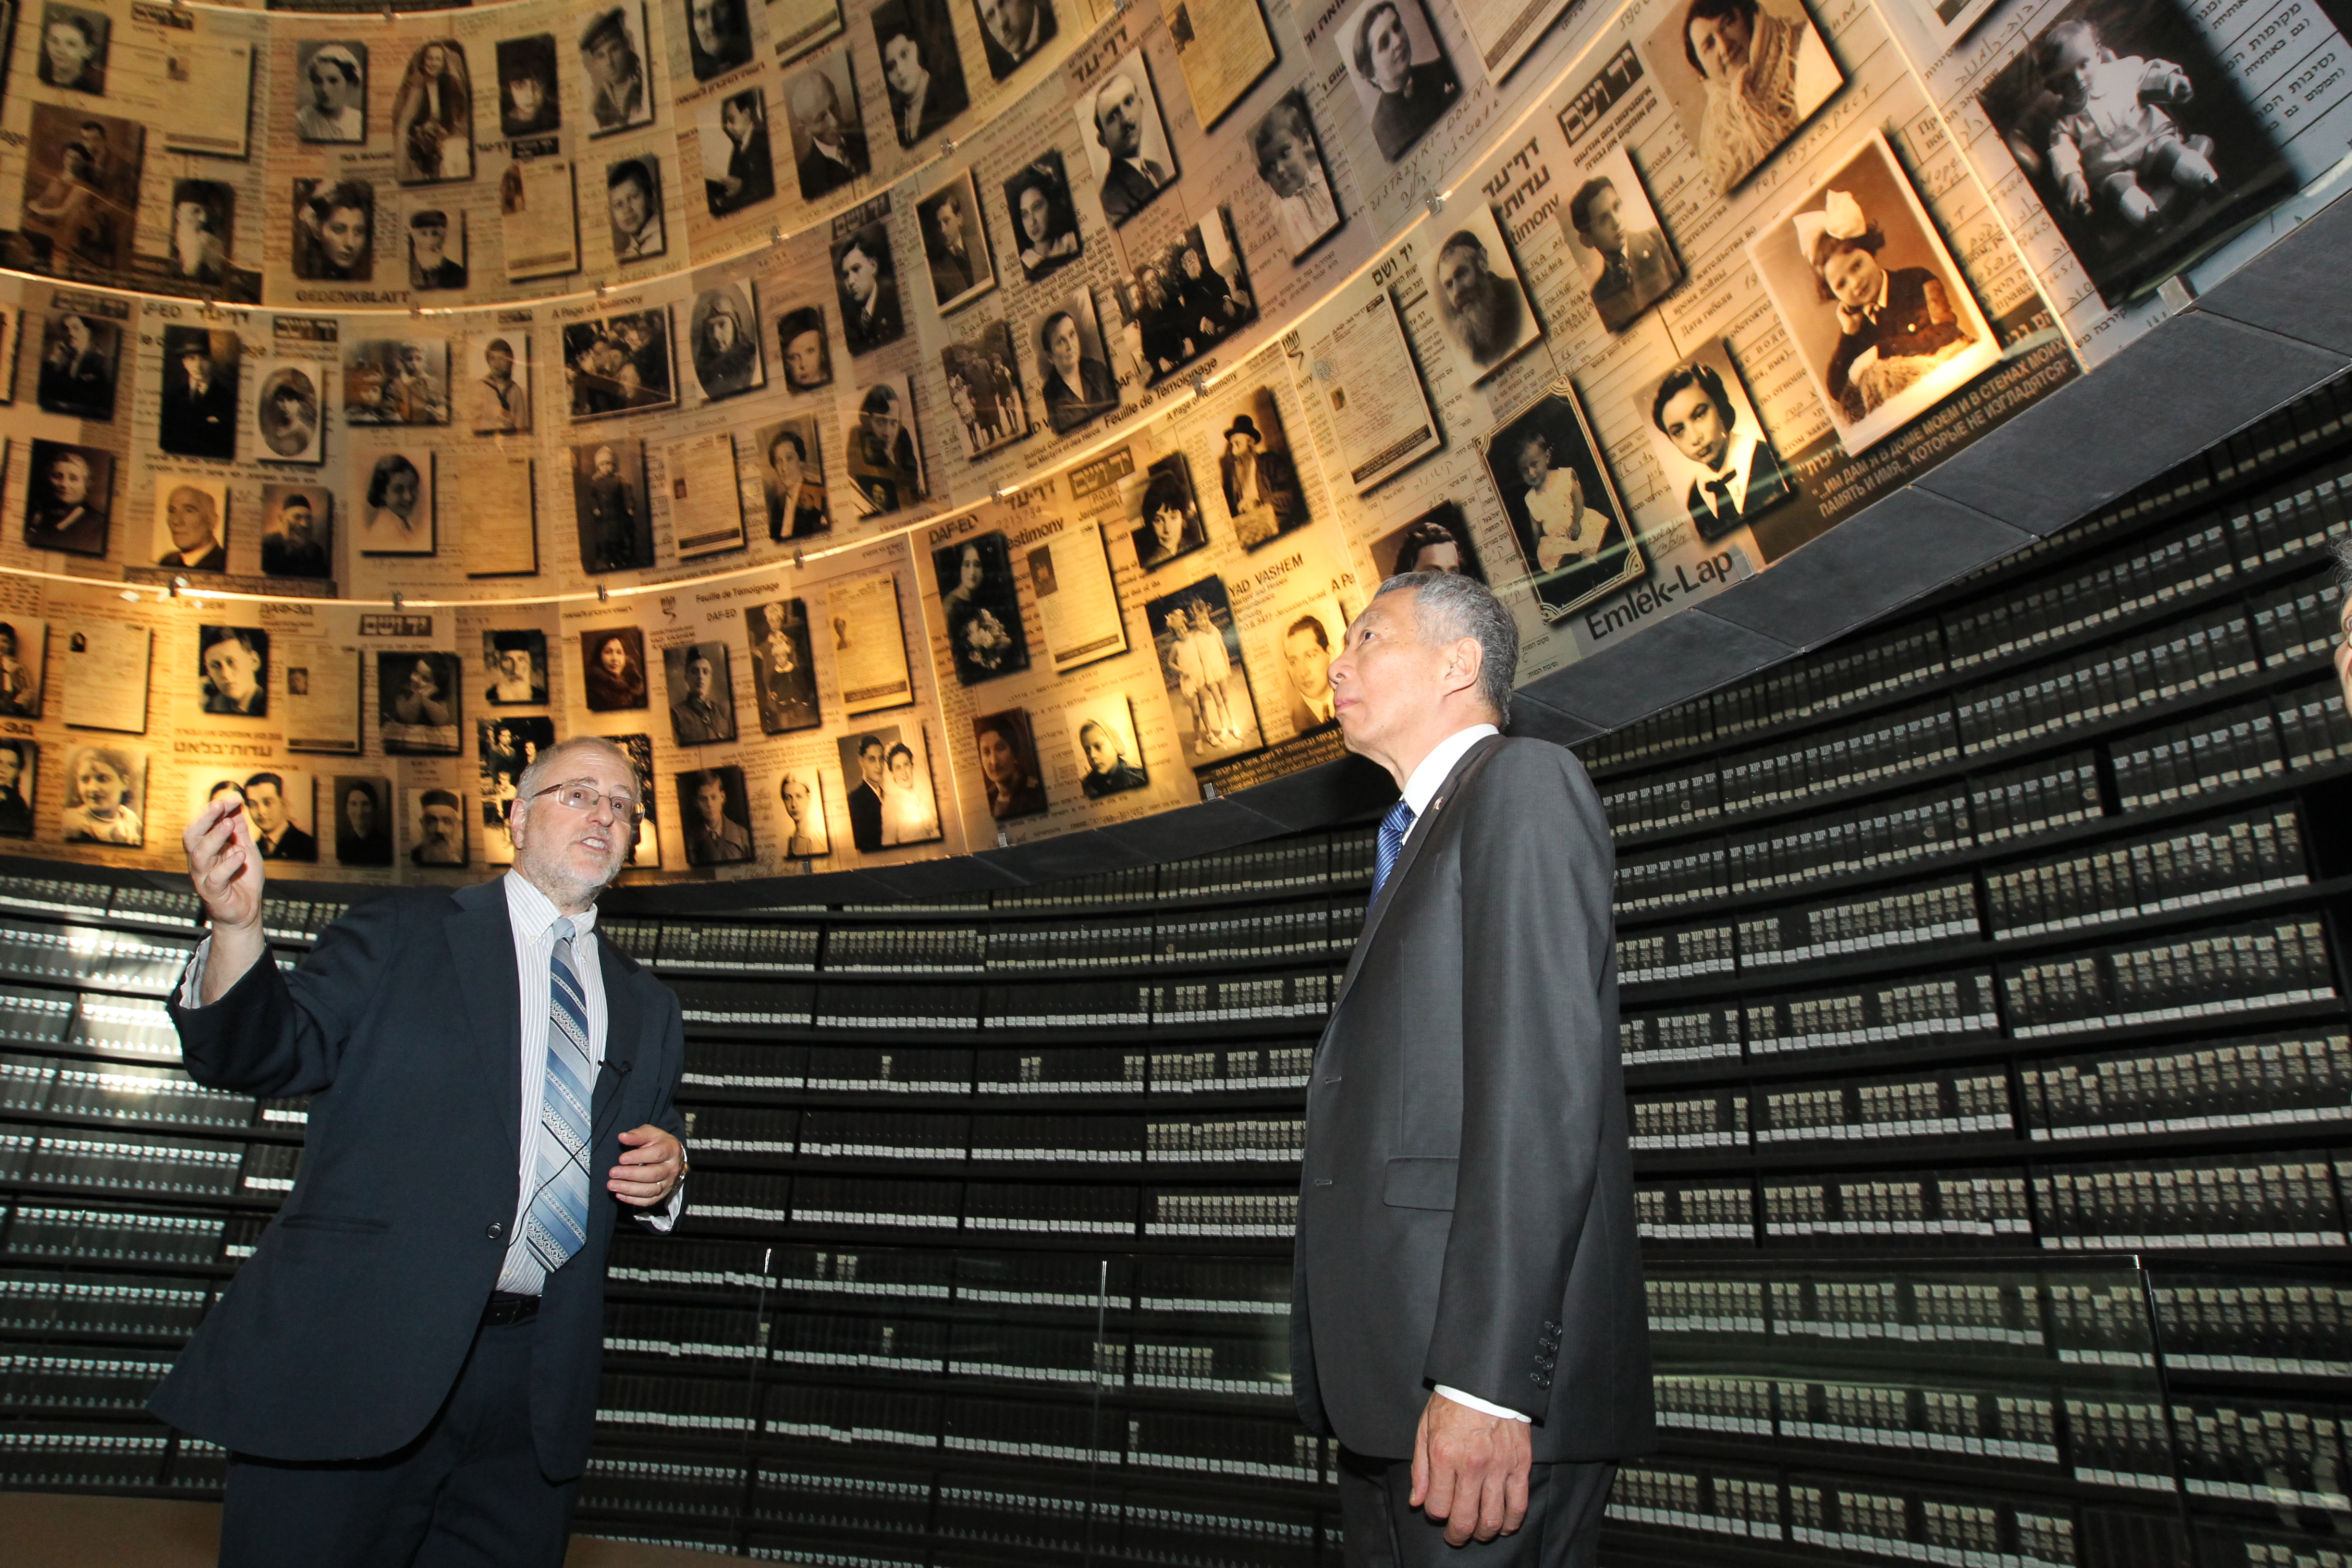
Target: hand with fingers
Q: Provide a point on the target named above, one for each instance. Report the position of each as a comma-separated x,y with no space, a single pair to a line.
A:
1470,1469
224,866
653,1162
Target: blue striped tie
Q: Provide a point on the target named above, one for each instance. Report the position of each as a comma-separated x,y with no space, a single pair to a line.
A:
1391,842
556,1224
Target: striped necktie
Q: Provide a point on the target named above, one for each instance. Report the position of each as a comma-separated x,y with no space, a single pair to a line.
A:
1391,842
557,1221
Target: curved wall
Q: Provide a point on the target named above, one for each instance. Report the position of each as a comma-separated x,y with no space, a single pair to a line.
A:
620,491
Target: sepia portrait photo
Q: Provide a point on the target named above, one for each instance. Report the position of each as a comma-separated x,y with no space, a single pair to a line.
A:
792,478
983,384
1200,649
1289,163
1575,537
514,668
1044,219
922,72
802,348
891,802
80,194
1478,299
1126,142
955,244
714,814
362,809
1260,481
982,605
105,797
80,355
1007,750
1159,502
298,531
718,36
868,277
494,382
1711,448
619,364
396,382
701,693
433,116
738,170
418,706
233,671
1185,296
1102,734
783,666
23,658
334,231
1741,76
886,464
1014,30
289,411
529,104
20,767
633,204
1399,71
828,137
613,669
806,834
199,415
191,523
1613,233
331,75
396,511
69,499
612,59
74,44
608,499
724,345
1074,376
437,828
1437,540
435,241
204,230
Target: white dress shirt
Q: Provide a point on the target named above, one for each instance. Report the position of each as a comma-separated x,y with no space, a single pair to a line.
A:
1418,789
531,916
1739,463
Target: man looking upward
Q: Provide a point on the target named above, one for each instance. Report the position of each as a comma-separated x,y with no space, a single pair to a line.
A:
1466,1308
406,1368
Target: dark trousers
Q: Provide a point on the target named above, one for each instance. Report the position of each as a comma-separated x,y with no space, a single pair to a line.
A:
467,1493
1383,1530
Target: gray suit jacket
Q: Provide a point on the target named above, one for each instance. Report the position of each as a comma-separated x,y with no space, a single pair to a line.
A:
1465,1213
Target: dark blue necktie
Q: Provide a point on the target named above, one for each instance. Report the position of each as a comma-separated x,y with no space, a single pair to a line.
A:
1391,842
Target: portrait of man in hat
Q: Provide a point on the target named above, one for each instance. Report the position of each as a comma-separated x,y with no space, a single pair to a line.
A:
1262,494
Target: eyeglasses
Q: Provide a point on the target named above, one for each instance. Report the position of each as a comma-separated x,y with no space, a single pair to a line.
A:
580,795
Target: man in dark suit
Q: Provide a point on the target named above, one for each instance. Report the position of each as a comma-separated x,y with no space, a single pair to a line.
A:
274,833
1012,30
1129,179
1734,477
1636,267
836,143
866,800
1466,1311
199,415
406,1369
1256,478
869,294
751,175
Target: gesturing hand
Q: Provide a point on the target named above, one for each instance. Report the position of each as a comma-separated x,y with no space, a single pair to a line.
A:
224,864
1470,1469
652,1164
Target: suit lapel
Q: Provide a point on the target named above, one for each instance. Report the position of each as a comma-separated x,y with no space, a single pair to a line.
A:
481,947
1422,826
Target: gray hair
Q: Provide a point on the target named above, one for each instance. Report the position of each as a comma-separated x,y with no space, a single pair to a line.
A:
1447,607
546,762
2341,549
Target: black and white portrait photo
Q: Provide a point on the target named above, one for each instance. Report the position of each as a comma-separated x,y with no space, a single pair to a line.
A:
1711,446
702,690
80,354
80,192
334,231
298,530
69,499
633,202
362,809
191,523
105,797
1741,77
332,94
437,828
613,58
233,671
1258,475
433,116
981,606
203,228
1186,297
1289,163
436,247
724,345
1011,31
921,68
717,36
1102,733
514,668
1439,539
613,669
289,411
1074,376
1881,317
1399,71
738,170
714,814
801,344
199,413
1613,233
1127,143
495,381
1574,533
1311,637
402,381
792,478
2137,138
886,463
1166,517
20,763
608,498
1044,219
619,364
892,801
828,139
74,40
1478,299
955,244
23,650
418,705
983,385
1199,651
806,833
1007,749
396,514
868,277
529,104
783,666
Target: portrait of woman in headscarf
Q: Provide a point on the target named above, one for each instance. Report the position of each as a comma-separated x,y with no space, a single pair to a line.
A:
1764,75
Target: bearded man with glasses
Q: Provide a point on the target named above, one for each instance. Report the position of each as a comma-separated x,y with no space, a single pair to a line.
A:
406,1368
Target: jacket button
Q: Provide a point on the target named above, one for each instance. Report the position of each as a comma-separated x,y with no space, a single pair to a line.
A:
496,1231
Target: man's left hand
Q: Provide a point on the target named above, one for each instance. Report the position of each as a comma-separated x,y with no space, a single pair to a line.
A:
1470,1469
652,1164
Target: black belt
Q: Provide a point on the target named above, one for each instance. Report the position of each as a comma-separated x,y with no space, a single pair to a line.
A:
506,1309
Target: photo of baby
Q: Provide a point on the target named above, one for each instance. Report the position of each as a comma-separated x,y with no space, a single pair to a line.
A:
1566,518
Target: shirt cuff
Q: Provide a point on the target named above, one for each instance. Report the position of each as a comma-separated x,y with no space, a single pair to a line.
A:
192,979
664,1214
1475,1402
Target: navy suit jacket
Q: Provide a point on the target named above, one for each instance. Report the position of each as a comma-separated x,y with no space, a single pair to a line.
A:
343,1333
